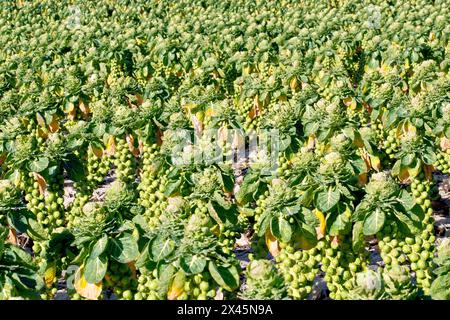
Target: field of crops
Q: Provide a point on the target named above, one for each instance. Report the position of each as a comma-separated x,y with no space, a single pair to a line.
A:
202,149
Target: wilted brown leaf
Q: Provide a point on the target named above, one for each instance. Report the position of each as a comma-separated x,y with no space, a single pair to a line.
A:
54,125
272,244
41,181
111,146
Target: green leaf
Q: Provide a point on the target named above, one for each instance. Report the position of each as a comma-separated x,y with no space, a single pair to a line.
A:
338,223
359,165
25,281
222,215
447,132
407,222
373,63
17,219
442,270
95,269
166,272
226,277
374,222
439,288
391,117
309,217
396,168
429,156
36,231
74,168
193,264
124,249
39,165
281,229
22,257
220,200
161,248
227,177
144,256
327,199
307,197
264,223
99,247
248,187
408,159
291,210
78,260
357,236
309,233
172,187
220,219
406,200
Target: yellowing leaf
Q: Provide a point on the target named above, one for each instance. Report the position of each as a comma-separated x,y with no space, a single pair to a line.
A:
409,128
404,175
141,145
198,125
49,275
87,290
256,108
12,236
335,240
293,84
209,112
40,119
384,69
323,224
272,244
97,151
301,242
223,133
84,108
111,146
247,70
139,99
350,102
42,133
362,179
414,171
70,107
177,287
366,157
110,79
375,163
189,106
282,98
428,169
130,141
432,36
54,125
71,115
41,181
238,141
159,135
132,268
215,230
445,144
358,141
311,142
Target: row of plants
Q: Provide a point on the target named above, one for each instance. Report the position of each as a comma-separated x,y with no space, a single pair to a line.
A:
314,128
